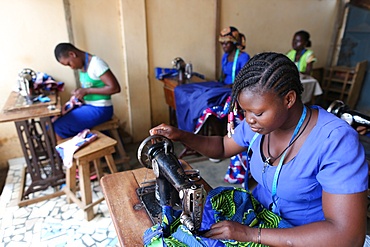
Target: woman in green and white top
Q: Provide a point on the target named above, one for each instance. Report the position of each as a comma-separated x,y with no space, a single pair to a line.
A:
98,83
300,55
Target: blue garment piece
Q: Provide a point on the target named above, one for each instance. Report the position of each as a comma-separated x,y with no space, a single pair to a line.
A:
80,118
42,99
192,99
161,73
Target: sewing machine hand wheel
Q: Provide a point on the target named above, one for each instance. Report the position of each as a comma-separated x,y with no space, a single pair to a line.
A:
143,151
335,107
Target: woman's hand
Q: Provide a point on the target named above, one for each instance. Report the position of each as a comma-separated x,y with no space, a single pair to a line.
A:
232,230
362,130
79,93
168,131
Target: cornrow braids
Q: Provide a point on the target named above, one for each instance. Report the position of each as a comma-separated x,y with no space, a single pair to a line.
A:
267,71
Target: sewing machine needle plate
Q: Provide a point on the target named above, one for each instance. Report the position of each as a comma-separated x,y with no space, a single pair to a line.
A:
147,197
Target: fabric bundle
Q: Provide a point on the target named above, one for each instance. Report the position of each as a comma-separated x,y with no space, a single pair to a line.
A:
223,203
68,148
46,82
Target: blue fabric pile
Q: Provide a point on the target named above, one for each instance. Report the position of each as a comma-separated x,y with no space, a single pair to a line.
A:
192,99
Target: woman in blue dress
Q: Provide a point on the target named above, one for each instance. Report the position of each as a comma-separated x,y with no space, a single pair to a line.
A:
234,58
309,165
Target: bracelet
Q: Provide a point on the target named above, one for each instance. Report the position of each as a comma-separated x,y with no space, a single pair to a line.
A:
259,236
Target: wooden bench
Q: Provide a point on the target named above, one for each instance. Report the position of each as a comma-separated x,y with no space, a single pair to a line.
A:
112,126
103,147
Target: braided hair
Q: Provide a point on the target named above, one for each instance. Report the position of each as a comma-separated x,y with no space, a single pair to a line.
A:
264,72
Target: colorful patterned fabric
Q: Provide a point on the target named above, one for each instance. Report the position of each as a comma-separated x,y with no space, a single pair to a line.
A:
231,34
223,203
45,82
238,166
68,148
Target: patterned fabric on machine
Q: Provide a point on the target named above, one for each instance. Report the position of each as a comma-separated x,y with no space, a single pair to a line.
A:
223,203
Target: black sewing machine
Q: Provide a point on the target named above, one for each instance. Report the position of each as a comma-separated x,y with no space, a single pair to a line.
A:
353,118
174,186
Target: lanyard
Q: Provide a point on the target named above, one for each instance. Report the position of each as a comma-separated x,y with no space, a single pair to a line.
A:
278,169
249,159
234,64
86,61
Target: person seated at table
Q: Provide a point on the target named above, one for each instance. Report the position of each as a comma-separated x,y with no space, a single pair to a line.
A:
98,83
300,55
234,58
309,164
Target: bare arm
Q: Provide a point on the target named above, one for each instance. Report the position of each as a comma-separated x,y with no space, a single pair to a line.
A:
344,225
308,69
210,146
111,86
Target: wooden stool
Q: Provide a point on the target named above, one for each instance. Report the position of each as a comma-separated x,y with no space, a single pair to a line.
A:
112,127
93,152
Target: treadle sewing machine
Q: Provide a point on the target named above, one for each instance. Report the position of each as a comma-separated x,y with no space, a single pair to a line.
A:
174,186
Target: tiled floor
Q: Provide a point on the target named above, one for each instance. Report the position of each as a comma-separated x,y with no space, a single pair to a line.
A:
52,222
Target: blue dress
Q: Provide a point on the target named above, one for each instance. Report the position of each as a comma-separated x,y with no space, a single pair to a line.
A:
331,159
227,67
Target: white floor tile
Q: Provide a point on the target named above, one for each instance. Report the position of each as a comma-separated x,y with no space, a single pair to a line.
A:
51,222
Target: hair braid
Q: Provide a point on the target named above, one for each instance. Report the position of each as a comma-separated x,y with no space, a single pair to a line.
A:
267,71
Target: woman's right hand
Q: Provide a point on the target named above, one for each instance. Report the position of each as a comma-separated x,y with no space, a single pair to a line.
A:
79,93
168,131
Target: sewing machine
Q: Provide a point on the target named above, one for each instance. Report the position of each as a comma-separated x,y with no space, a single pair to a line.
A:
182,69
26,79
353,118
174,186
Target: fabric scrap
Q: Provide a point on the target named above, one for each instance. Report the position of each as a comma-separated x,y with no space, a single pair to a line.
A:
68,148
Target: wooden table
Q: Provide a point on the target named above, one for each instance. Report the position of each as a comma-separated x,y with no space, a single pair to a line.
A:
37,139
169,92
129,217
311,88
